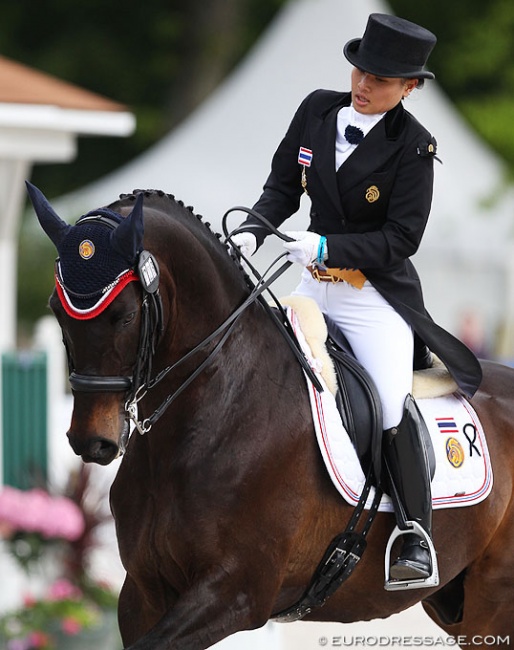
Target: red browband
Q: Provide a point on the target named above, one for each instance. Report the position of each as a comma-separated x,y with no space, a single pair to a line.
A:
106,299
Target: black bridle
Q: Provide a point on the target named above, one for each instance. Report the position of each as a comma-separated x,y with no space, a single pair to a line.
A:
151,327
150,331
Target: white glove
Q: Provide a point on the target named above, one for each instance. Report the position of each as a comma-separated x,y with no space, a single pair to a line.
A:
304,250
246,242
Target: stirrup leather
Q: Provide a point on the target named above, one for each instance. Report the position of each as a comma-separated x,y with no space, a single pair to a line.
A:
396,585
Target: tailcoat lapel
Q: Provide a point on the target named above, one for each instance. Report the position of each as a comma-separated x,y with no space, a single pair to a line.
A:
323,138
377,147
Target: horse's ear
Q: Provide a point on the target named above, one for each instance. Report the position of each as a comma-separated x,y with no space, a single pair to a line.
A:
50,221
127,238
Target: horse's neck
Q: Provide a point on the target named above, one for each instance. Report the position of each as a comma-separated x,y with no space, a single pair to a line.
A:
207,286
201,288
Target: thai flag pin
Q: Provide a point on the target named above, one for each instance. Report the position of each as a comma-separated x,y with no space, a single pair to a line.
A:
305,157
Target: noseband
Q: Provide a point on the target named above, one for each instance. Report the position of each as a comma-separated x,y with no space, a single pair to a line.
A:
151,328
97,384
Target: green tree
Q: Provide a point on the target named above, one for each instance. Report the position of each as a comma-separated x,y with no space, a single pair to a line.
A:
473,62
161,58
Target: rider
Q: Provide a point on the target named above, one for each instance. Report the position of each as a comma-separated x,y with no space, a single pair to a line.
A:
367,166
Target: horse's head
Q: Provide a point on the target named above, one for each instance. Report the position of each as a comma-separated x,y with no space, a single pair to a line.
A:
108,341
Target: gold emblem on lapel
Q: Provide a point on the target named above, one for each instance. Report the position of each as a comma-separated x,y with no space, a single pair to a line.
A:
372,194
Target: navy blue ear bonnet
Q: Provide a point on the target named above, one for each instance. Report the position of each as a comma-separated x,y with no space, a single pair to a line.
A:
88,261
97,256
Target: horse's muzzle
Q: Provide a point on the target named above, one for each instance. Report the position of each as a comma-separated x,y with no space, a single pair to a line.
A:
94,450
97,448
99,426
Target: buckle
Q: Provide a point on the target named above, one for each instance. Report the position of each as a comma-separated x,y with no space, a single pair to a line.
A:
326,277
315,273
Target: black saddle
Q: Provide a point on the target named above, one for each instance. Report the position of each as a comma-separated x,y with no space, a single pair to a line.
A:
358,400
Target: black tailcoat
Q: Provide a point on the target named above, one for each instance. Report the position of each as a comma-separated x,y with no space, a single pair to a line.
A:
373,210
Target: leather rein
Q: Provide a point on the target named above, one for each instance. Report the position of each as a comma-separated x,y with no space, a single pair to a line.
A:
151,329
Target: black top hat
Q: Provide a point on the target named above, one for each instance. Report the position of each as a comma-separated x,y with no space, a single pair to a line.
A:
392,47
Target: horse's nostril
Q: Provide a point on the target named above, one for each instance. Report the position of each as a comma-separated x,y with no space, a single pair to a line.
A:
99,447
97,450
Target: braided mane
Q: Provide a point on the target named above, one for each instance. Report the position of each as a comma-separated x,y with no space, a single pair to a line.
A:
158,198
163,201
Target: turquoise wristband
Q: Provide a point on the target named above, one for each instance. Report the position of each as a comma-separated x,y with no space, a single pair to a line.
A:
322,247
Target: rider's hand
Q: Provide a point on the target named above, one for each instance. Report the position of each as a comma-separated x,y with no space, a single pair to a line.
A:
246,242
305,248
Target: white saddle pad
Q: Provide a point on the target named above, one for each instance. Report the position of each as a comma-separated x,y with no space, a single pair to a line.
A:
463,475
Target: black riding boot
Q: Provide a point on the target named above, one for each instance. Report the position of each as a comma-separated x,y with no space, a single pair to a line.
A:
408,477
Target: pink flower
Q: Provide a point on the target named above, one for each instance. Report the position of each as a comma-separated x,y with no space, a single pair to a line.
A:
63,590
36,511
6,530
38,639
63,519
71,626
28,600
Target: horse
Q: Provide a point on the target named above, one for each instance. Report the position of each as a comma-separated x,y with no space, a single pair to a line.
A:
222,504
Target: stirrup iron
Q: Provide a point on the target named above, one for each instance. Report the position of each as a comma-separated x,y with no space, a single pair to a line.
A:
396,585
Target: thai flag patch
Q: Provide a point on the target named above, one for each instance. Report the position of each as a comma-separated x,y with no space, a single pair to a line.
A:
447,425
305,157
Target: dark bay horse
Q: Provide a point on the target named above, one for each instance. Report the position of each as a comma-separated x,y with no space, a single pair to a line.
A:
223,508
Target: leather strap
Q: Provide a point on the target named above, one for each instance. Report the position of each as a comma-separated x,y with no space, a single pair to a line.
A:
353,276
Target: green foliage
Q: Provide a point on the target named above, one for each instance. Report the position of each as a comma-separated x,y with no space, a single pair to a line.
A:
473,62
66,612
160,58
36,255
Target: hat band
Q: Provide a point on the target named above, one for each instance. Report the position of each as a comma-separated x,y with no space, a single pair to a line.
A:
108,294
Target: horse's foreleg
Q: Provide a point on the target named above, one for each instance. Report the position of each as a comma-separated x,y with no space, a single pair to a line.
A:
137,611
214,607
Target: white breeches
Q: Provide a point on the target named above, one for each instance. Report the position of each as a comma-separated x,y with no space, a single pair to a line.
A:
381,340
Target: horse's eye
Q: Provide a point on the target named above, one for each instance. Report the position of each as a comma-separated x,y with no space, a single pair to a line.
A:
128,318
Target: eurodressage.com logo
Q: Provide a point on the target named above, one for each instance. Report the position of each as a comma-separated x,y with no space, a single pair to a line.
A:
384,641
